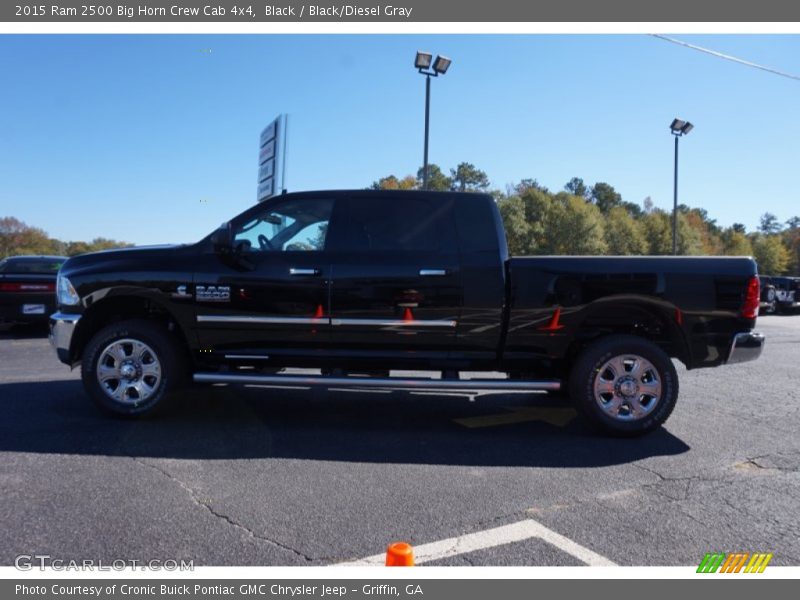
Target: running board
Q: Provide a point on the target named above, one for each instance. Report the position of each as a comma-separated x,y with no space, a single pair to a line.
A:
551,385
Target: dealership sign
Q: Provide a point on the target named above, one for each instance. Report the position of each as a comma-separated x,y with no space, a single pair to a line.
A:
271,159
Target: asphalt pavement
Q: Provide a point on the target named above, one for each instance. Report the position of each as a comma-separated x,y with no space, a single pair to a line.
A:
252,476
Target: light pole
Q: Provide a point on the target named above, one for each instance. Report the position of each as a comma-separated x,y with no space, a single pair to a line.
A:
678,128
425,64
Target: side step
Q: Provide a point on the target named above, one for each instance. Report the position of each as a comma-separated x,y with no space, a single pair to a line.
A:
552,385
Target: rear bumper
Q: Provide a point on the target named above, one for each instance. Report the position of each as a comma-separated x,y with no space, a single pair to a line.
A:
746,346
26,309
62,326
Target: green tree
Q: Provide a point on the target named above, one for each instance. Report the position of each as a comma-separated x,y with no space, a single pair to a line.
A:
658,232
577,187
437,181
624,235
393,183
518,230
528,184
633,209
791,240
17,238
706,230
605,196
466,177
74,248
97,244
769,224
736,243
574,227
101,243
771,255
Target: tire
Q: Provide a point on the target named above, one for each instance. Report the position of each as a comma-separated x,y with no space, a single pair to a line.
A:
143,366
769,309
607,391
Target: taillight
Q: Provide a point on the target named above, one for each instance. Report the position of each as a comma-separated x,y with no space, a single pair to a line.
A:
27,287
751,298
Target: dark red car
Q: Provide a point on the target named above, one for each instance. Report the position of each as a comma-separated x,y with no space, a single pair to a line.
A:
28,288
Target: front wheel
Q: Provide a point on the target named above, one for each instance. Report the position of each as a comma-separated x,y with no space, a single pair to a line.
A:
132,368
624,385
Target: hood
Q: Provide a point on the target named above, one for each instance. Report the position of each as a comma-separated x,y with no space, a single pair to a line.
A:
123,258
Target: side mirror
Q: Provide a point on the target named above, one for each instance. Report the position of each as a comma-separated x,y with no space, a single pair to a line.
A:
222,239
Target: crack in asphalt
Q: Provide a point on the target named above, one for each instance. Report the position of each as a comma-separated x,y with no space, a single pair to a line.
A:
687,479
219,515
754,461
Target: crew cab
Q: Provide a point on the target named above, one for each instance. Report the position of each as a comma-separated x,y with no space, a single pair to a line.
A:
360,284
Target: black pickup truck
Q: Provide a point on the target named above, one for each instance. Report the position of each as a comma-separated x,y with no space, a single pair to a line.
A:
358,284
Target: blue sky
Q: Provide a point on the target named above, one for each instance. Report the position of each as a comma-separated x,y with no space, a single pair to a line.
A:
153,139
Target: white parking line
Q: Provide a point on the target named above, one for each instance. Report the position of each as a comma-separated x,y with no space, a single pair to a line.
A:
489,538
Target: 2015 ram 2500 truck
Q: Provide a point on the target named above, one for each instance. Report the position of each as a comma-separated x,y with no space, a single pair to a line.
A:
359,283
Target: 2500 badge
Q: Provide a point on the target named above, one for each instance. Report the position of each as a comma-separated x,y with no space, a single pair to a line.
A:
213,293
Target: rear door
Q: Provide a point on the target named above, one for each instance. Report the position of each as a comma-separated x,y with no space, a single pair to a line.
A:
396,286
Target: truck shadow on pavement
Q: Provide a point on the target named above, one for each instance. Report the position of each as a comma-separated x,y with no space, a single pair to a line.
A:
55,417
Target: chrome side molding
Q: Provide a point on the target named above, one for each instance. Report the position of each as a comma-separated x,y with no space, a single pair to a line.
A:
262,320
394,322
296,271
255,320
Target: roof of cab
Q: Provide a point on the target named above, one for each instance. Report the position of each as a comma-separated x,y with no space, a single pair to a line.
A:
371,192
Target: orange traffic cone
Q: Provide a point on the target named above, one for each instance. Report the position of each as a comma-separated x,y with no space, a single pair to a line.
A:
399,554
408,315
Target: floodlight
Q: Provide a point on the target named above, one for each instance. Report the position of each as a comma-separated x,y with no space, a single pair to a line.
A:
441,65
677,125
423,60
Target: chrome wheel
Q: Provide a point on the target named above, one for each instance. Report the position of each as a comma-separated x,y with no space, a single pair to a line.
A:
128,371
627,387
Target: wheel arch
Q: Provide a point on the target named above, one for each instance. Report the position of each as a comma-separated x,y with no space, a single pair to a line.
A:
657,321
118,308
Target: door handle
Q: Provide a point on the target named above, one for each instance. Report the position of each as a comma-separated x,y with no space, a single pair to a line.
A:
432,272
294,271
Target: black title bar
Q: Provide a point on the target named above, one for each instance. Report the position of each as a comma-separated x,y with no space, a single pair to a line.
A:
64,11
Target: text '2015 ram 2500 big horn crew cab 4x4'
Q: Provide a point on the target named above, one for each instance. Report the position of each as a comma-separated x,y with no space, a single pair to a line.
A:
359,283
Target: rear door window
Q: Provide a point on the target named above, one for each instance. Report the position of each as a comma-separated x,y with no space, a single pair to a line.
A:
399,225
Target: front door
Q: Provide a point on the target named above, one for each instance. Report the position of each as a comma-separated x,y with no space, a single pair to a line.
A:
272,299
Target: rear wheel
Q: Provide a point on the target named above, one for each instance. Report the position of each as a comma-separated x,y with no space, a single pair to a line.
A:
768,296
132,368
624,385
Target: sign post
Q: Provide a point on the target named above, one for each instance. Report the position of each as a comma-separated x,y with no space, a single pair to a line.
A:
272,159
